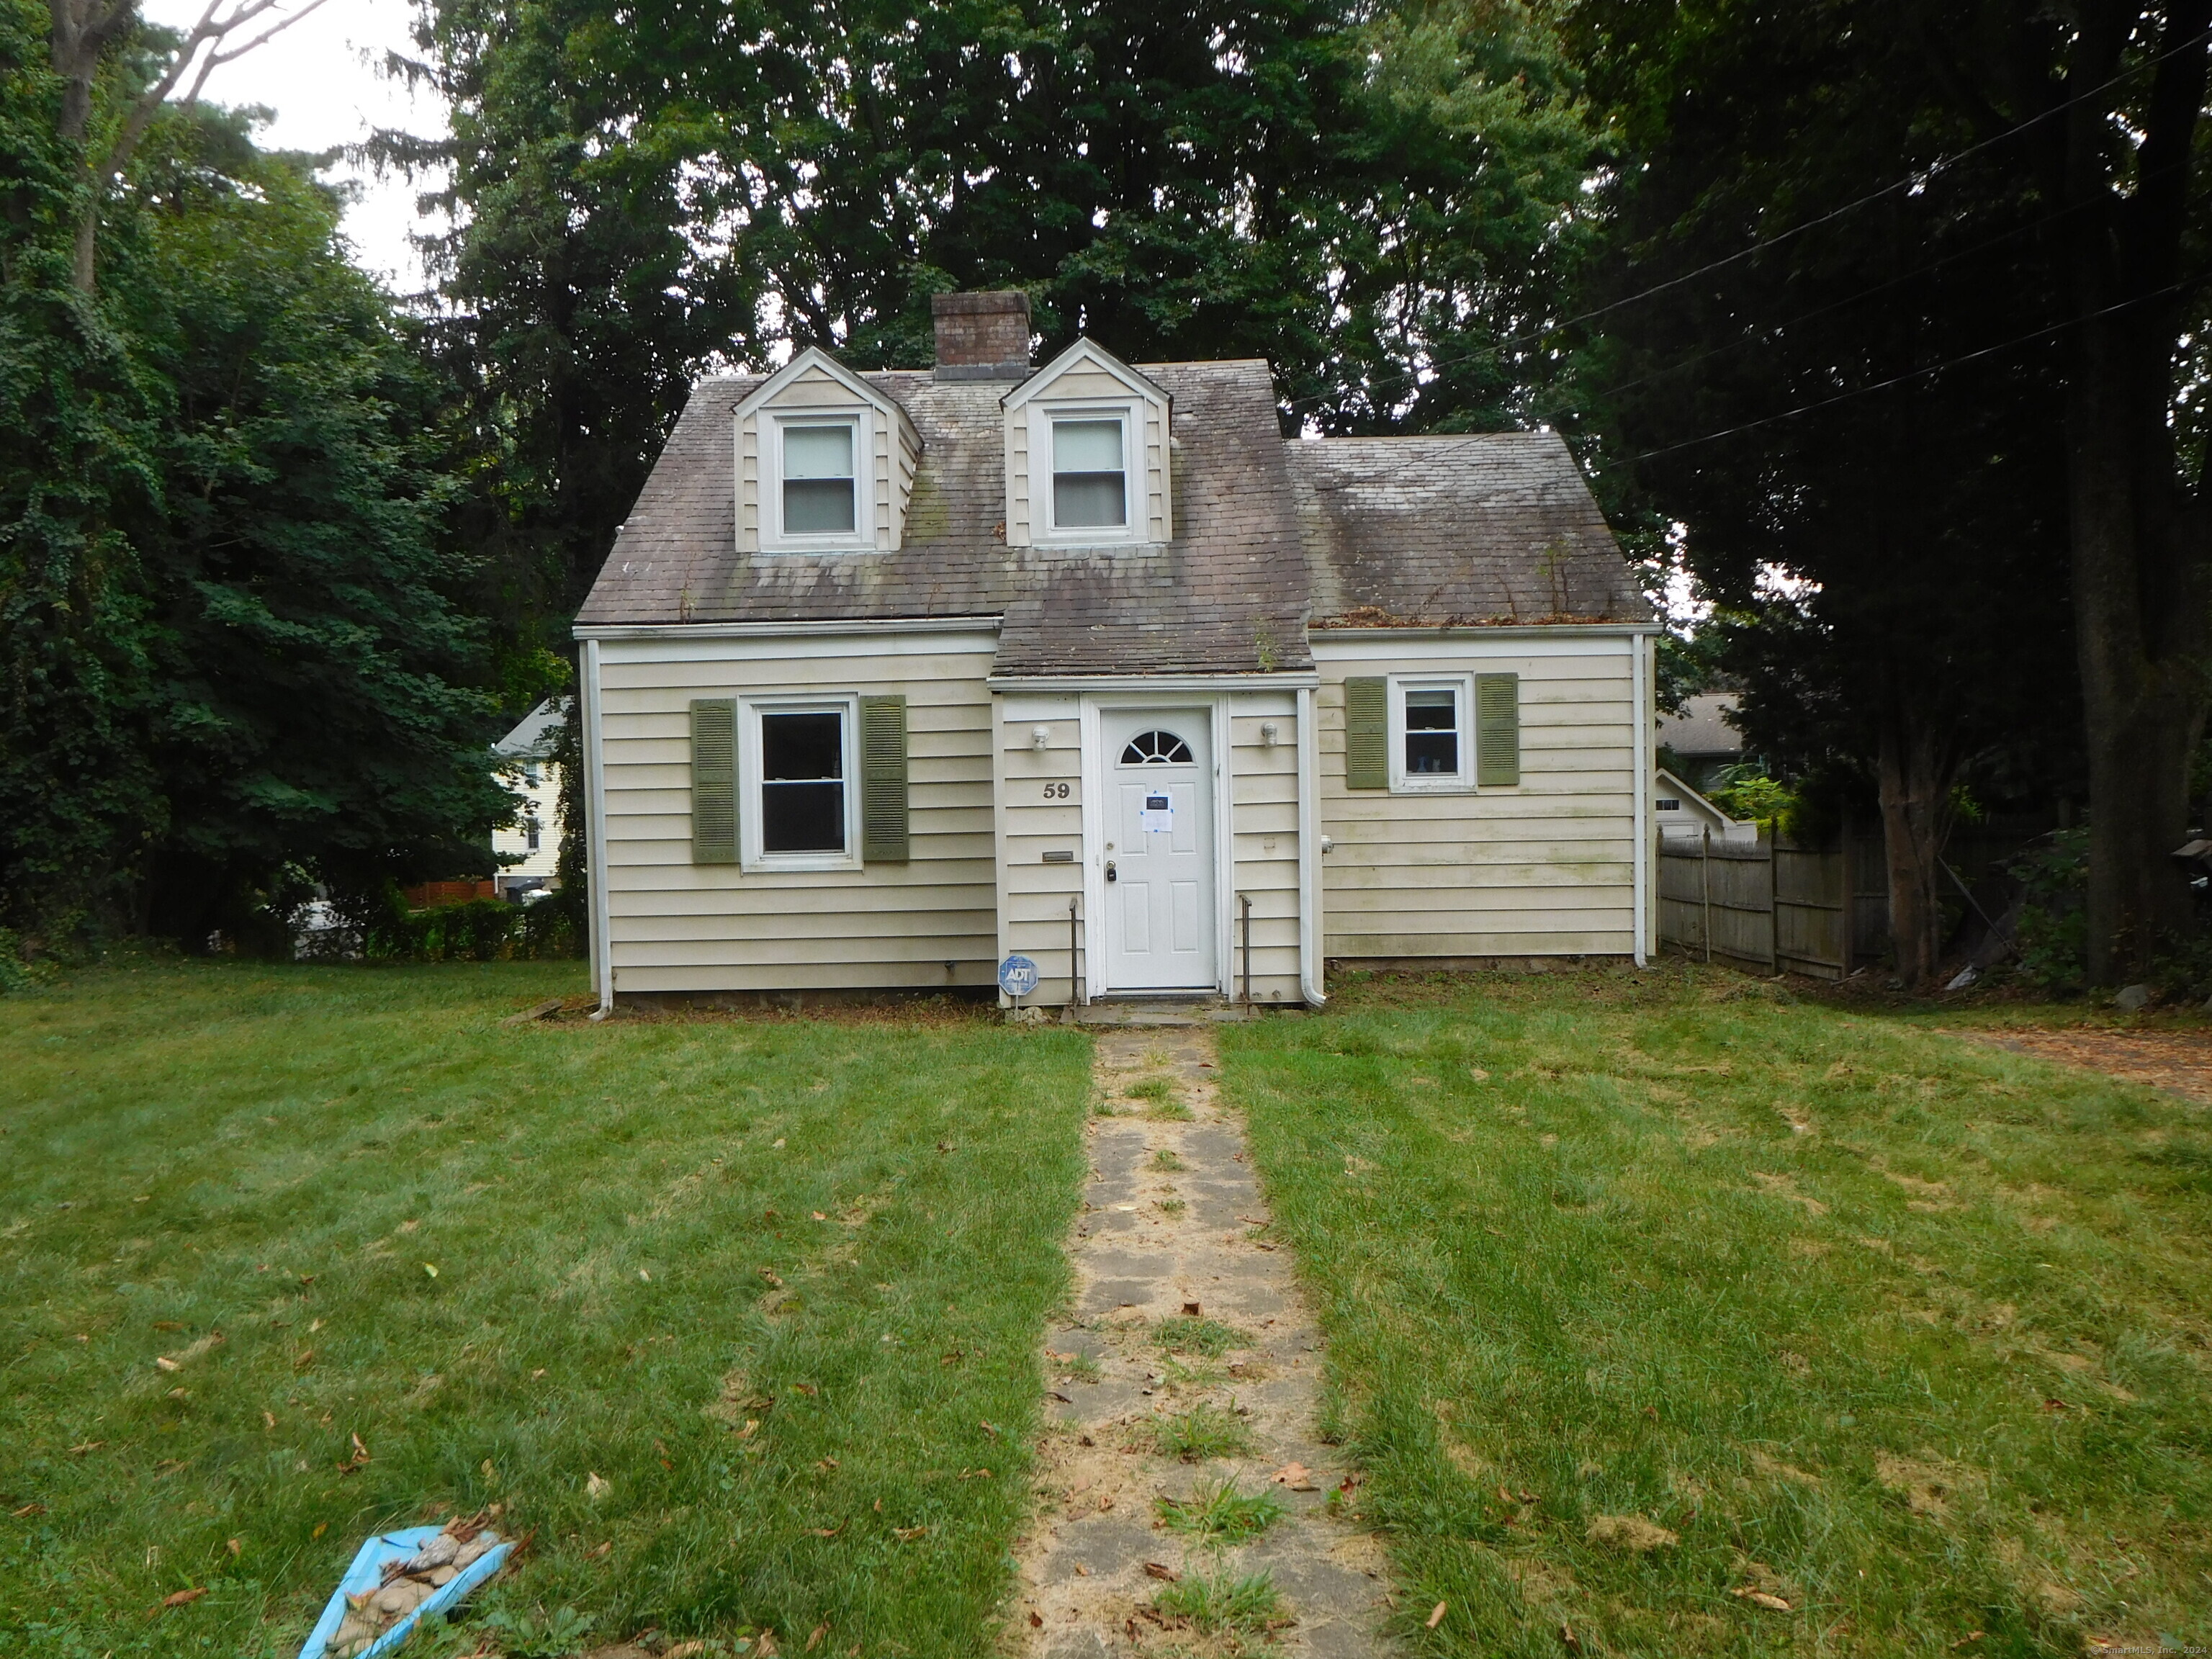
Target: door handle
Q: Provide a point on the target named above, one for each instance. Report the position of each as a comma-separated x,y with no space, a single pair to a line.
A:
1110,871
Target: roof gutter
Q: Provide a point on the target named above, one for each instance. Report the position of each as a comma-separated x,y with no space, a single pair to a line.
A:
741,630
1319,635
1305,680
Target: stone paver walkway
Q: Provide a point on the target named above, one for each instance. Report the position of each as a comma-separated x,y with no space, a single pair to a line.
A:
1172,1227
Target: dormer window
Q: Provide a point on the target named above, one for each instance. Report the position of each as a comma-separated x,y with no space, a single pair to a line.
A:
825,461
1089,473
817,478
1088,443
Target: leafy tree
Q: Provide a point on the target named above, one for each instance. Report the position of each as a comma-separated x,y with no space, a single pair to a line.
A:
229,628
643,191
1885,535
2072,132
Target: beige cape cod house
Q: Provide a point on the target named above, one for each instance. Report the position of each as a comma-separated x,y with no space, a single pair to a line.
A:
892,676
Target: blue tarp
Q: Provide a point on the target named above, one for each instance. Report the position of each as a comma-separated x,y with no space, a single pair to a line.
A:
367,1574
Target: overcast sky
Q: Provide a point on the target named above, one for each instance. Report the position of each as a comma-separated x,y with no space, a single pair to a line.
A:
319,77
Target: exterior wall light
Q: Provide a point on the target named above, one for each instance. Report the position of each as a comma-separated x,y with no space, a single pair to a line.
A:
1267,734
1039,737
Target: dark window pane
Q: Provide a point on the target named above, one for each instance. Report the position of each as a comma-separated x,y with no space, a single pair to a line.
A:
802,746
1431,711
1431,752
817,507
1431,733
802,817
1088,500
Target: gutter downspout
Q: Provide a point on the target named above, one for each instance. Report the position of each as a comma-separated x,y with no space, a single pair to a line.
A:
595,797
1309,855
1640,675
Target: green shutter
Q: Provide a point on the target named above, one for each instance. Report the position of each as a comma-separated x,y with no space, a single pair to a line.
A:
882,779
1496,730
714,781
1366,732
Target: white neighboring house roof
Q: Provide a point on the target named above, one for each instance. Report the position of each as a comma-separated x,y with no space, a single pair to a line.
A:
1692,814
535,735
1702,729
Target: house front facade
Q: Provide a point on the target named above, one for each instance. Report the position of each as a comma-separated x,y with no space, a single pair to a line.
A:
892,677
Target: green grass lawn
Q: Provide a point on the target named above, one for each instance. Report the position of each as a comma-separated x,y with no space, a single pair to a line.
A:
777,1285
1679,1315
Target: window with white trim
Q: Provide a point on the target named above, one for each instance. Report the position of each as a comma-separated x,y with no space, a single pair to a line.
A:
816,470
1431,733
1090,472
798,778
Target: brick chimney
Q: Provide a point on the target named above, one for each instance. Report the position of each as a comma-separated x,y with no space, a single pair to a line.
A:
982,336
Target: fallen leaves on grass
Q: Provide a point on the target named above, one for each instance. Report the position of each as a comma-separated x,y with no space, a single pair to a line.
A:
1296,1476
596,1485
1161,1570
1436,1615
183,1598
1759,1598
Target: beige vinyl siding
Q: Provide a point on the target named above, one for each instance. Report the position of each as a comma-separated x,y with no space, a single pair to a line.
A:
676,925
749,485
1159,516
1033,896
1019,532
1545,868
1263,823
906,458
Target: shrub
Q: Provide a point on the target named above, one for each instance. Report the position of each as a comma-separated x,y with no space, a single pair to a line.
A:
18,974
2053,940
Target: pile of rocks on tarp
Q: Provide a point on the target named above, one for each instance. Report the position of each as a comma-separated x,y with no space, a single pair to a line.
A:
409,1584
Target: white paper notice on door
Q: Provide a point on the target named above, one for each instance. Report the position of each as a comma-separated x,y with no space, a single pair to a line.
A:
1156,815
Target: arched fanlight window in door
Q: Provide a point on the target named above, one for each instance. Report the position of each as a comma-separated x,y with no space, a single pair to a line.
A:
1156,748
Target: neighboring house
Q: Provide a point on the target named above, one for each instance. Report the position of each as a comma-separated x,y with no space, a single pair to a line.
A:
892,675
1683,814
1699,742
531,772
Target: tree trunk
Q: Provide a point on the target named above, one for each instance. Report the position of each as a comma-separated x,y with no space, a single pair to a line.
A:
2138,601
1916,770
2142,605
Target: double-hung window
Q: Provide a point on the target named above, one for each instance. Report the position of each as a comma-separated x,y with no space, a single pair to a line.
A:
797,767
1431,733
1090,472
819,498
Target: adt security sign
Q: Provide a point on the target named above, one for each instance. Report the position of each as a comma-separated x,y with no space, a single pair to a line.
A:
1018,976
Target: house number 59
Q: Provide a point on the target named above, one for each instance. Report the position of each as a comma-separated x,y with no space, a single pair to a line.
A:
1055,791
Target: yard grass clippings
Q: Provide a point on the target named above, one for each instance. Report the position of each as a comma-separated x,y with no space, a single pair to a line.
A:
712,1312
1688,1316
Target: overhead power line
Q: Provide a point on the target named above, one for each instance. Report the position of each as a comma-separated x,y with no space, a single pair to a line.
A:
1918,177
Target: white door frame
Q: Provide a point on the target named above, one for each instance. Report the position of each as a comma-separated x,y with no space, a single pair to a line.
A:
1095,771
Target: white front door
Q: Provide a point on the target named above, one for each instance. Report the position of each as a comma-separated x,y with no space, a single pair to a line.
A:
1158,775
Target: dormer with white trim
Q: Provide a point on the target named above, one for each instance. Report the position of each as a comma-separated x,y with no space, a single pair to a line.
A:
1087,455
825,462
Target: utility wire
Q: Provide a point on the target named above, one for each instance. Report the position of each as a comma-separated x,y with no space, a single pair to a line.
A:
1408,468
1920,177
1781,328
1909,374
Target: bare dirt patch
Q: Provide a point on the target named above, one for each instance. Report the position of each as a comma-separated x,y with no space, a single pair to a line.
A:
2178,1062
